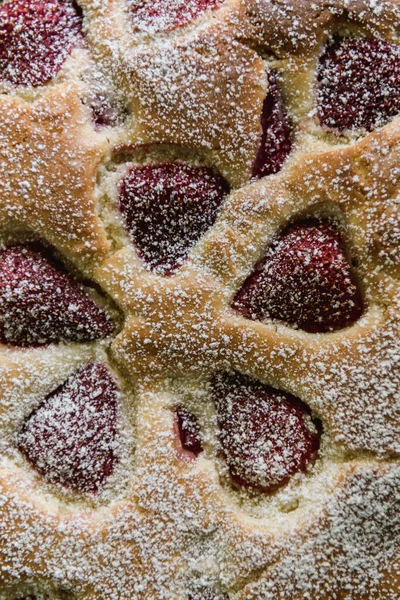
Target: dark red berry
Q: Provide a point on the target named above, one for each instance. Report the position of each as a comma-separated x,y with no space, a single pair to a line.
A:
71,438
167,208
266,435
304,280
40,304
276,141
189,432
159,15
358,84
36,37
106,111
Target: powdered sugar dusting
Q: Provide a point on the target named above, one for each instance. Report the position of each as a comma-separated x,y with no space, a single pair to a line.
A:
359,85
363,539
36,37
71,437
157,16
305,280
266,435
160,526
48,160
40,304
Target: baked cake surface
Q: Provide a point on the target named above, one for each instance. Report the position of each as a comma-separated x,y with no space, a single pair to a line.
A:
199,300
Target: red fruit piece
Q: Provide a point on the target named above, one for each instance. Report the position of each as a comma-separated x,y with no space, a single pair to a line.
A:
304,280
39,304
188,431
167,208
358,84
159,15
106,111
266,435
36,37
276,141
71,438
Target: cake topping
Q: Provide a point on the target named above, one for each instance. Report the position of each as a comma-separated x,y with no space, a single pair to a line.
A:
189,432
173,528
71,438
40,304
276,142
304,280
36,37
158,15
106,111
358,84
266,435
167,208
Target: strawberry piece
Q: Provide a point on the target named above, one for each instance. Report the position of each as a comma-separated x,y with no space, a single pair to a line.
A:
276,141
189,432
167,208
266,435
71,438
304,280
358,84
158,15
36,37
106,112
40,304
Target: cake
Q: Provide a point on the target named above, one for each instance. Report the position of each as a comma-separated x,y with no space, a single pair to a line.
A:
199,300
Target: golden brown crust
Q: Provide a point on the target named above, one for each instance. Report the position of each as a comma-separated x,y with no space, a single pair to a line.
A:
185,323
298,26
161,80
229,83
50,136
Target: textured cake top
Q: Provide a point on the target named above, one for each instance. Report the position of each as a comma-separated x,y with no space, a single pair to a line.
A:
199,300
